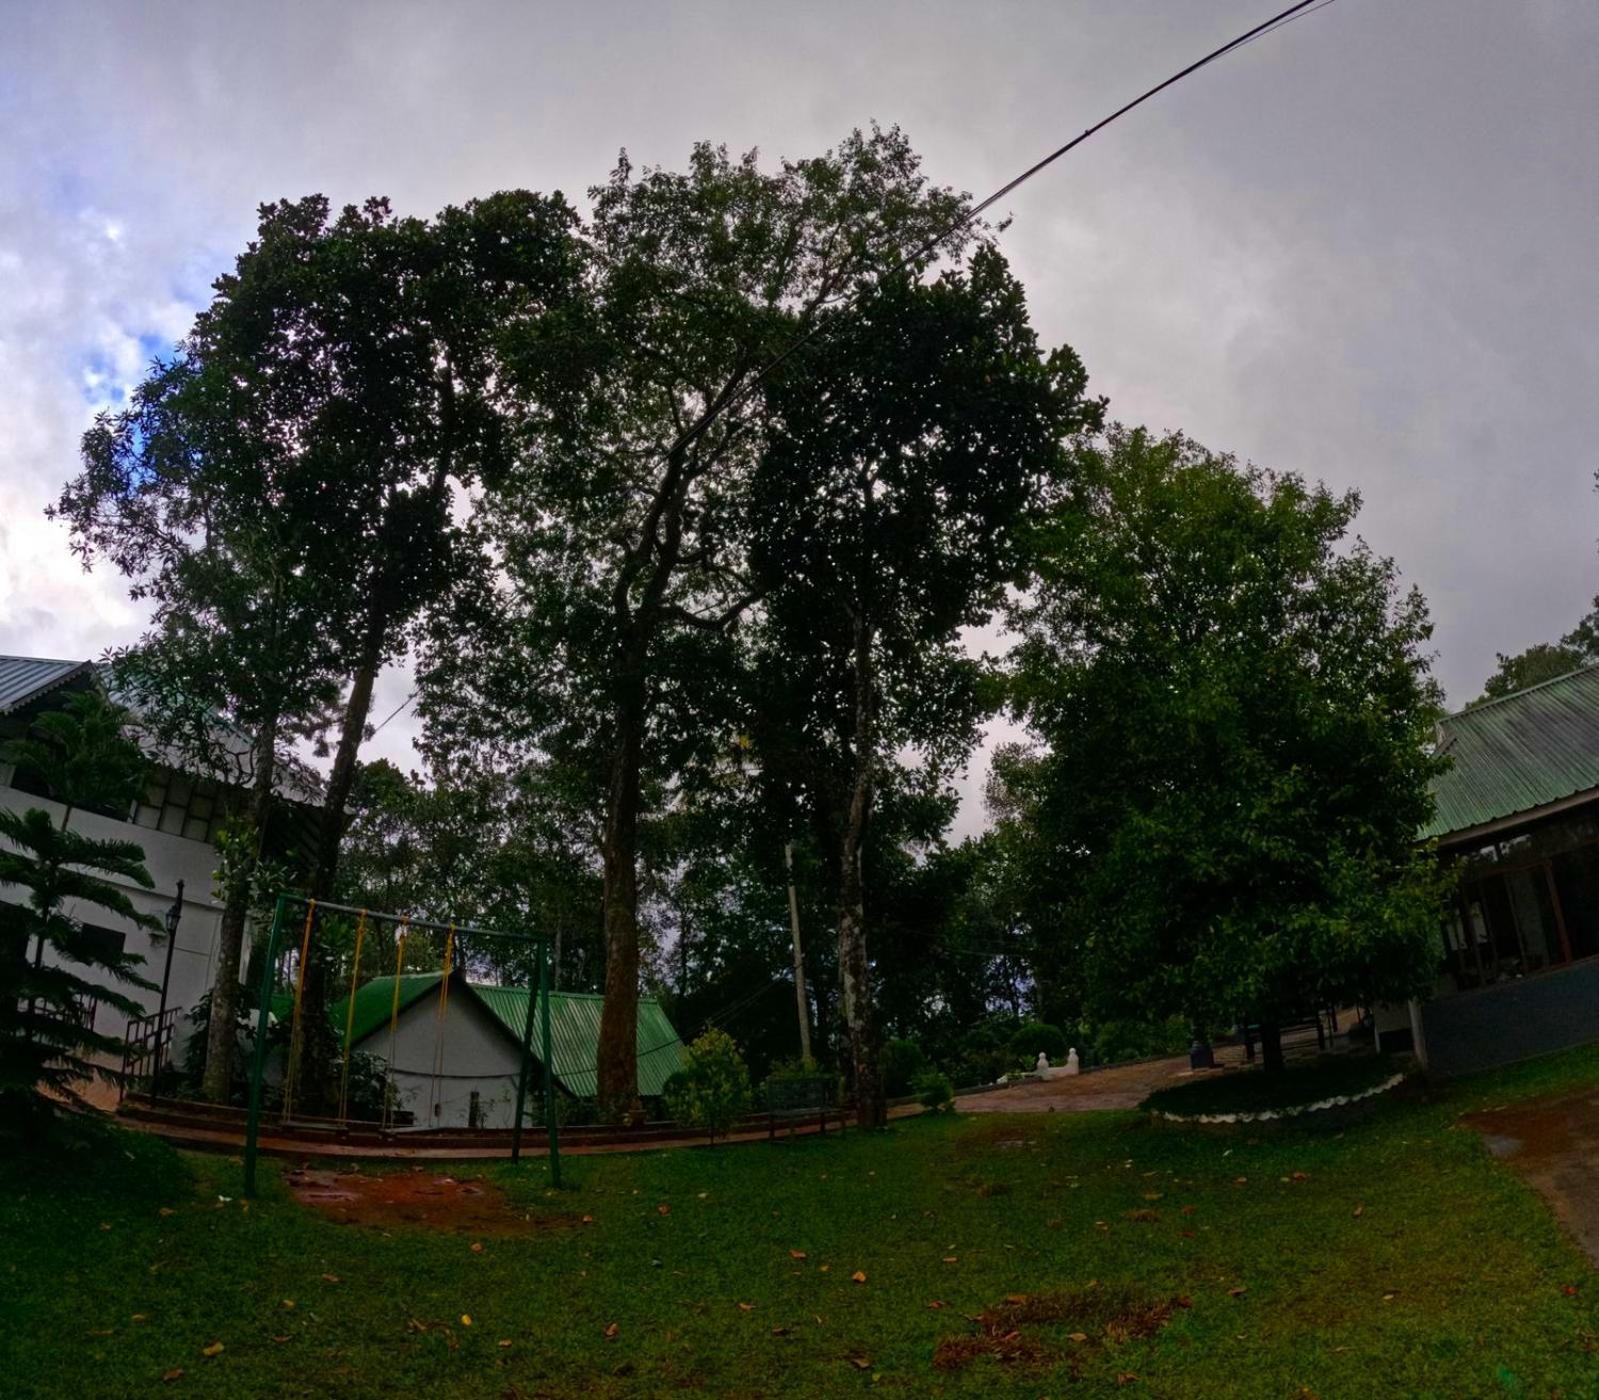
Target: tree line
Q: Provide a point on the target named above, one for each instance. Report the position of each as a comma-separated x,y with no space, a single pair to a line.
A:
684,508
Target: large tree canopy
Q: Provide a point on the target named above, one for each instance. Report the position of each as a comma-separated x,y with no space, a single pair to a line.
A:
1236,712
906,450
623,529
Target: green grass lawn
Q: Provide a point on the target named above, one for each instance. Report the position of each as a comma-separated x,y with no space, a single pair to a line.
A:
1391,1258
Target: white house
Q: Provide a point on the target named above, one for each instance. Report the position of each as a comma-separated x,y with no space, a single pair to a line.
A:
175,823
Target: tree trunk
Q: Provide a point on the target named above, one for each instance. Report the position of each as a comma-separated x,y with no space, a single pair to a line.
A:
1271,1047
618,1049
315,1049
854,970
217,1081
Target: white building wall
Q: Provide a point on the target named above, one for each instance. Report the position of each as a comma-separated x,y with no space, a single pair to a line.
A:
168,859
478,1056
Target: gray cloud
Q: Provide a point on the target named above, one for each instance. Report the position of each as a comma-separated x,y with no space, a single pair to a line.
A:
1361,249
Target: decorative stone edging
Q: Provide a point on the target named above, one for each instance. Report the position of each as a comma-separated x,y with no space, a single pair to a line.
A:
1266,1115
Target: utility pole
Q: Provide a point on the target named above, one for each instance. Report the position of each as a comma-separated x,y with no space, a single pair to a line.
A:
799,957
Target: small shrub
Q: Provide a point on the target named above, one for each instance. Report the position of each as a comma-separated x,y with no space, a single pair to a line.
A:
1033,1036
713,1089
903,1061
934,1090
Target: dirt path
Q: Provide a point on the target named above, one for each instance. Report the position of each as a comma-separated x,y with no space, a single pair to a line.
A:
1553,1145
1121,1086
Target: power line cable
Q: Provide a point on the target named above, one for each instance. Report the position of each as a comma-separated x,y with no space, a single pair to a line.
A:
731,396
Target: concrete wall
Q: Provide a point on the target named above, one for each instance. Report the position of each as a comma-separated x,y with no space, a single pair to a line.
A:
478,1055
1512,1021
168,859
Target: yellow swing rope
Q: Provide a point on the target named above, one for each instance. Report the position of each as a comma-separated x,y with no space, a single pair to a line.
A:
394,1019
444,1002
299,998
349,1018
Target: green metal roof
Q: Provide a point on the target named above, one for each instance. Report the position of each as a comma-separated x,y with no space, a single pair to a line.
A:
1518,753
574,1028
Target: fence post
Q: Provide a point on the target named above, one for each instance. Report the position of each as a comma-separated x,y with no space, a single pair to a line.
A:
252,1130
527,1059
549,1067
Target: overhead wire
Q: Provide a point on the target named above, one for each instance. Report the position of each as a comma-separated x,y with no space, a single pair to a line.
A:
735,394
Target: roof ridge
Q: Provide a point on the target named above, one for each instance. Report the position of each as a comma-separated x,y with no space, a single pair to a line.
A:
1525,690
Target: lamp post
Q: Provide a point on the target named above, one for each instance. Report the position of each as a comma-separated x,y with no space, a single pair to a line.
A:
173,915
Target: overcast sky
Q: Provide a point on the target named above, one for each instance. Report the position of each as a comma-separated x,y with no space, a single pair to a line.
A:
1365,248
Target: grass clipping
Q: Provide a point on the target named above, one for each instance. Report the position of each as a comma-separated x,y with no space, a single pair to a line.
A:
1006,1332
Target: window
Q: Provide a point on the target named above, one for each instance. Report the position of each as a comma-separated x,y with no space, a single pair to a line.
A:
181,806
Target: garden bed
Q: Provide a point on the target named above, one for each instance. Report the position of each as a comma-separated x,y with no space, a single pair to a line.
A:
1329,1084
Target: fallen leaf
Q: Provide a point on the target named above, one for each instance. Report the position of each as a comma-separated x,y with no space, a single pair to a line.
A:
1360,1210
937,1304
611,1330
797,1254
663,1209
1237,1292
1189,1210
588,1219
861,1363
1389,1297
215,1349
145,1317
1126,1377
746,1307
1240,1181
288,1302
1078,1337
175,1374
505,1341
823,1268
780,1331
952,1259
166,1211
1015,1297
1569,1289
1301,1176
282,1339
466,1319
859,1276
477,1246
330,1278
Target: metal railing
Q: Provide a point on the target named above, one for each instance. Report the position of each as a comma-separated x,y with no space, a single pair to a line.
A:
147,1047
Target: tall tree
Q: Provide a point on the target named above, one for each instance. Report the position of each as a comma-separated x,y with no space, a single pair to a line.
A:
907,450
1543,661
44,1041
317,421
622,530
1236,711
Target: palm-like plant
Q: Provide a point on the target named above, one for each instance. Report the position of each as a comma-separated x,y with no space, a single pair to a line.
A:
44,1043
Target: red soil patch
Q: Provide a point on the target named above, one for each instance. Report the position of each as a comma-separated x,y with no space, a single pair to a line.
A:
419,1199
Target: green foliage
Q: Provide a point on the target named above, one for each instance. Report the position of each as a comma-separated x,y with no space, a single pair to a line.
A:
934,1090
1032,1036
1545,660
713,1089
1237,713
902,1062
63,876
83,756
1132,1039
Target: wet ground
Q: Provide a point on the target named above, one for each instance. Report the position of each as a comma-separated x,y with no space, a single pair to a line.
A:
412,1199
1553,1145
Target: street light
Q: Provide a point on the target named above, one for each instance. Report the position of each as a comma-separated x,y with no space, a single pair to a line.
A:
173,915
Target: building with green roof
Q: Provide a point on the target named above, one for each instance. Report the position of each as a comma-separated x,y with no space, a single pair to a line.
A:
454,1054
1516,819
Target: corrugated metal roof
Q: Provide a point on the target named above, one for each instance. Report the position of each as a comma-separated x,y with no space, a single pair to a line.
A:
574,1028
1518,753
25,678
